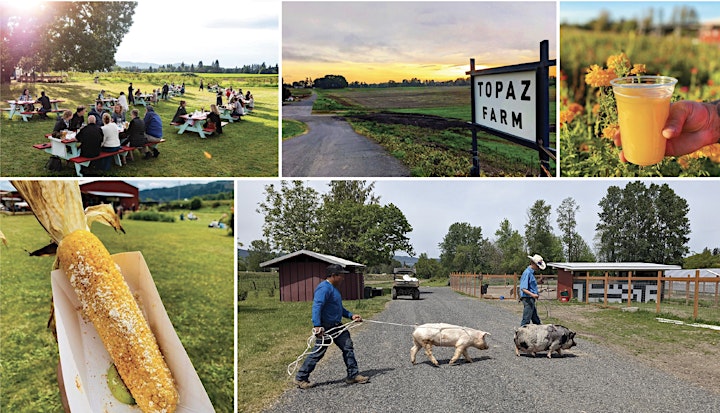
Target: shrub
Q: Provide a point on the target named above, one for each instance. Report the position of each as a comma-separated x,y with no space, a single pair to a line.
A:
151,216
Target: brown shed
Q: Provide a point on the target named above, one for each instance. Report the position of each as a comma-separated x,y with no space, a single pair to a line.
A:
301,271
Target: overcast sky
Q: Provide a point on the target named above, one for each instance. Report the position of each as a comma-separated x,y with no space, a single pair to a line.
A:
578,12
234,32
431,206
379,41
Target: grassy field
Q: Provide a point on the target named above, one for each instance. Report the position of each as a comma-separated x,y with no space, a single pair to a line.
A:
271,334
192,266
248,148
292,128
431,151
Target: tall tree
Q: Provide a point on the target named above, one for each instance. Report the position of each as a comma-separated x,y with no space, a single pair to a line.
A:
291,221
510,244
427,267
258,253
539,236
574,246
464,249
640,223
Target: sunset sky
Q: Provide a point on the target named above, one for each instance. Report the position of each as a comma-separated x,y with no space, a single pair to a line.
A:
381,41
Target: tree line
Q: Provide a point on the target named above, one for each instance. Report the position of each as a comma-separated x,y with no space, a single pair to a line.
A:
636,223
339,82
683,21
261,69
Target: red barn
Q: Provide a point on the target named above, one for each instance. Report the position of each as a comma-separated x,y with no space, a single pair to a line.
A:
301,271
110,192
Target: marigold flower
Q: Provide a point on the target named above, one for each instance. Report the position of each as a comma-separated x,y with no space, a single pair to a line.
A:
638,69
599,77
566,117
576,108
683,162
694,70
618,63
584,148
610,131
596,109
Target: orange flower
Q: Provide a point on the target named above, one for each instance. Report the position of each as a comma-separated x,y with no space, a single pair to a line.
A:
638,69
598,77
566,117
618,63
683,162
610,131
596,109
584,148
576,108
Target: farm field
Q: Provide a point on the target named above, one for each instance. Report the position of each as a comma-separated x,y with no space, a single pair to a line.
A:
588,115
425,127
248,148
192,266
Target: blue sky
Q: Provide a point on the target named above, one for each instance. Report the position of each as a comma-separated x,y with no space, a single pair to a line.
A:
582,11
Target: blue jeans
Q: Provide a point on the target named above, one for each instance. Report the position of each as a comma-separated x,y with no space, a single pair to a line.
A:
106,163
346,345
529,312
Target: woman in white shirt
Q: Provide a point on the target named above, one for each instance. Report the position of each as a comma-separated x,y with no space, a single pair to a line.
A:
111,141
122,100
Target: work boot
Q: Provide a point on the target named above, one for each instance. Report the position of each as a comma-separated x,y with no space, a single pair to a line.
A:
148,155
155,152
303,384
357,379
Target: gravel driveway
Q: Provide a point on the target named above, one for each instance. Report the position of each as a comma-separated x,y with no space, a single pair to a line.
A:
332,148
589,378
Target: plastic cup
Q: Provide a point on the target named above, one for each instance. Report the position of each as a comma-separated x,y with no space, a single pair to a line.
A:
643,104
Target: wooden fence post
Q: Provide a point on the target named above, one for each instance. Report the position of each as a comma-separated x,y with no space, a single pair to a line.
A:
697,294
605,283
587,287
657,301
629,300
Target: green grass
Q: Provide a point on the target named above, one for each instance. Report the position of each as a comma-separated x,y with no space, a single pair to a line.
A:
192,266
292,128
247,148
271,334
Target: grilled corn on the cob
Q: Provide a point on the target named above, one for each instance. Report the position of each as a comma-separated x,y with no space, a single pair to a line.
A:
109,304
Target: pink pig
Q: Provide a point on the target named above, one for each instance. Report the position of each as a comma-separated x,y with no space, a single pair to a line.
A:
447,335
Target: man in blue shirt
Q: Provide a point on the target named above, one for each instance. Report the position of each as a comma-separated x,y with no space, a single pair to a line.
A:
327,313
529,290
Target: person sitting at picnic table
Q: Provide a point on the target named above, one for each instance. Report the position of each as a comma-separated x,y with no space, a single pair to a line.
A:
122,101
237,106
90,138
136,133
180,111
118,116
97,111
138,92
26,97
45,106
153,128
249,100
101,95
154,96
78,119
62,124
213,120
111,141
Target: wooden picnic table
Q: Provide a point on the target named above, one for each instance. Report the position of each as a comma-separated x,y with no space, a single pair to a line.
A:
109,103
143,99
226,113
67,148
194,122
17,107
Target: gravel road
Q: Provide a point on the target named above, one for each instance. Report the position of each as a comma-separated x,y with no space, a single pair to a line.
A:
332,148
588,378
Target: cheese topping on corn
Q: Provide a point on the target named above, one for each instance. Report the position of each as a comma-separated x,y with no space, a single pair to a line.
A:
108,303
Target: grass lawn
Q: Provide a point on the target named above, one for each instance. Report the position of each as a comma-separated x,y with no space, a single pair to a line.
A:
248,148
192,266
272,334
292,128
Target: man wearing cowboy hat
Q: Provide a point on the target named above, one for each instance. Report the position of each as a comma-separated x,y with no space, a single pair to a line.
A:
529,290
327,314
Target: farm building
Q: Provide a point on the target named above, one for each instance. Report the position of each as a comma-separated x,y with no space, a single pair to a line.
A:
642,290
110,192
301,271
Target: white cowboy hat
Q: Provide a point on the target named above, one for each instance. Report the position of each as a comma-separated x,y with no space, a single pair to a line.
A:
538,260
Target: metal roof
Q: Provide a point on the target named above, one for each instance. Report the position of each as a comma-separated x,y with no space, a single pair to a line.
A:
613,266
109,194
704,272
330,259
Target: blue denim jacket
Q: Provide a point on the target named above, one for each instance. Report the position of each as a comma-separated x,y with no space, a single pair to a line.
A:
327,309
528,282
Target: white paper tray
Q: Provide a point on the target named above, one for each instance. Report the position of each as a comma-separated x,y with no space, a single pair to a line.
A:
85,361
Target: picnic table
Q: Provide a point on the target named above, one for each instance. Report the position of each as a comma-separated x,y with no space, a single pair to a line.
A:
194,122
226,113
143,99
17,107
109,103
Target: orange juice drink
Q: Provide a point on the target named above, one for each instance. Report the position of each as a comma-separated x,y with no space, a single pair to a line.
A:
643,104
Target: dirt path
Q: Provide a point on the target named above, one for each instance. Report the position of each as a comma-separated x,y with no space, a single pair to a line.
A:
589,378
332,148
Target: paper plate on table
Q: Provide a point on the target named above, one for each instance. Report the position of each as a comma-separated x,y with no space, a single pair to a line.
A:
85,361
